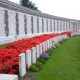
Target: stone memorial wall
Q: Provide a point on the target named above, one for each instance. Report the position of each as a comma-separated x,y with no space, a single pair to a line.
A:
19,22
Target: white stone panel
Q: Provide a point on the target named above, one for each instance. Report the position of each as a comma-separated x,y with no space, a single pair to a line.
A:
8,77
22,65
35,24
28,57
12,22
48,25
33,55
55,25
58,26
21,23
2,25
45,27
52,25
29,24
67,26
62,26
40,24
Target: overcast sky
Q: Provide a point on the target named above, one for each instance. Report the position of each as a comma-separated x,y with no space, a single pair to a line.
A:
62,8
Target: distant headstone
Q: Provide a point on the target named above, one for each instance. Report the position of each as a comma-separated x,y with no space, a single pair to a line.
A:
28,58
33,55
40,48
37,51
22,65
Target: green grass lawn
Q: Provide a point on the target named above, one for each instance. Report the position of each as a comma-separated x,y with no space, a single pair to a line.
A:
3,45
64,64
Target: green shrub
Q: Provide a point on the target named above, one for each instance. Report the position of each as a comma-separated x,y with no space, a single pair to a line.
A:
39,65
33,68
42,60
50,51
57,44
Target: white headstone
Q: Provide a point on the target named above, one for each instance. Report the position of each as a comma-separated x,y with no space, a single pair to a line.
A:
28,57
46,45
22,65
40,48
8,77
43,48
37,51
33,55
50,42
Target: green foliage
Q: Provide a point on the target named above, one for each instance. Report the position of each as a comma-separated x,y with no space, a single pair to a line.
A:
39,65
33,68
57,44
43,61
50,51
29,4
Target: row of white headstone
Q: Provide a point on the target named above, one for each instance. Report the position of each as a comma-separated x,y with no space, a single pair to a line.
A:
31,55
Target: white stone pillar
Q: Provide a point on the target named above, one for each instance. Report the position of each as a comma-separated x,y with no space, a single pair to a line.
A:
28,57
33,55
37,52
22,65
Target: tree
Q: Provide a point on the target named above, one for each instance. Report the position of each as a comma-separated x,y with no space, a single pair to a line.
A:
28,4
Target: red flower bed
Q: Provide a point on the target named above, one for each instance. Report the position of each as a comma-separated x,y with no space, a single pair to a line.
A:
68,33
9,60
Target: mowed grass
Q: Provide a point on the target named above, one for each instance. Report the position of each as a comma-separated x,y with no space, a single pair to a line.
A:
3,45
64,64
